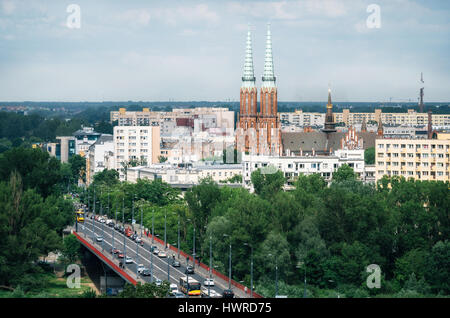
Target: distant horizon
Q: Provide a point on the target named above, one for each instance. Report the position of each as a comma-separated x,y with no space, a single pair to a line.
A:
215,101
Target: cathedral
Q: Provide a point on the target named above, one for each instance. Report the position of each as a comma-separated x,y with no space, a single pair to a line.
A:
259,132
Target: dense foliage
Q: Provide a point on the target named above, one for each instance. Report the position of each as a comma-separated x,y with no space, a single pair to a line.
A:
331,233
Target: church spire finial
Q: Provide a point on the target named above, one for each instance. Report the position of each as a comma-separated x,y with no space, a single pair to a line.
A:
249,74
268,76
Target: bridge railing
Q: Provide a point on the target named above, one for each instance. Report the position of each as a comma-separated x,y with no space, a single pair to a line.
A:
216,273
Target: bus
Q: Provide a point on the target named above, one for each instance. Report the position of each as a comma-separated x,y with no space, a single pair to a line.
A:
80,216
190,287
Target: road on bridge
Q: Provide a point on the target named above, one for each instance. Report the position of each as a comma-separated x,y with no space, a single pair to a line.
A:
139,254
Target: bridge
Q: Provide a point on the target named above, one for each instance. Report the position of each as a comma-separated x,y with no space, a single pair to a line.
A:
141,254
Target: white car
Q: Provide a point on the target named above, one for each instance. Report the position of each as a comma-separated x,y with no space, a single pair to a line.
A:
173,288
128,260
99,238
158,282
138,240
140,268
208,282
162,254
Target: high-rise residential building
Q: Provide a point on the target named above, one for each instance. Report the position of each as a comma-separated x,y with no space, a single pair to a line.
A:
420,159
259,132
201,118
139,144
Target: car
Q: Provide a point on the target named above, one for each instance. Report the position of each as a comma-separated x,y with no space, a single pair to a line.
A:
146,272
133,236
179,295
228,293
208,282
128,260
173,288
114,251
189,270
158,282
156,251
99,238
176,264
138,240
152,248
162,254
140,268
120,255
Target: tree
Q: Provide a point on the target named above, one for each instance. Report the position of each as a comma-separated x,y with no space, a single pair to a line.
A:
344,173
38,170
108,177
439,267
71,249
267,182
369,156
26,234
78,167
146,290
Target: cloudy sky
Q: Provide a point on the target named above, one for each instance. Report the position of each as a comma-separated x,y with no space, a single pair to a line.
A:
194,50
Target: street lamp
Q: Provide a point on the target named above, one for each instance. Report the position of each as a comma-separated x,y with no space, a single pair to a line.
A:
276,275
210,265
193,251
123,222
251,268
229,264
151,247
298,266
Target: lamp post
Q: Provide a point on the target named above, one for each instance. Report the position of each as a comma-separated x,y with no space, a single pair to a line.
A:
123,222
165,230
276,275
151,247
101,213
210,265
193,250
93,220
229,264
251,268
299,264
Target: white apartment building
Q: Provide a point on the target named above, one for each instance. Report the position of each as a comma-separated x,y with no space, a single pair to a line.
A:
141,143
421,159
201,117
293,166
98,157
299,118
177,176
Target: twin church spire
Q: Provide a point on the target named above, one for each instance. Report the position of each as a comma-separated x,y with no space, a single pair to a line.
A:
258,132
268,78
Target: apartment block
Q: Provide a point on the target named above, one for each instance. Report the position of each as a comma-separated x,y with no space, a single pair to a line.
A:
135,143
420,159
293,166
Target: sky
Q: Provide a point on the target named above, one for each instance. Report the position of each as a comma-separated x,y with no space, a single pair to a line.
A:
187,50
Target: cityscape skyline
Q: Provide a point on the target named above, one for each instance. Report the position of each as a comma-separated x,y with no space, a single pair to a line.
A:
201,47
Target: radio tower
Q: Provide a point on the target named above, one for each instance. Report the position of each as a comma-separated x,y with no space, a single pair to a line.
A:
421,94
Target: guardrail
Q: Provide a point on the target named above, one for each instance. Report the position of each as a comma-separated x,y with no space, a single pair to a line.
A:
216,273
105,259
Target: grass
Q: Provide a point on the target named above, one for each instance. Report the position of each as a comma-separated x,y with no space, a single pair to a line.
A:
55,288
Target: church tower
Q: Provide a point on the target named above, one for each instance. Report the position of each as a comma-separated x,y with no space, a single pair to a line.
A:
269,131
246,136
329,117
